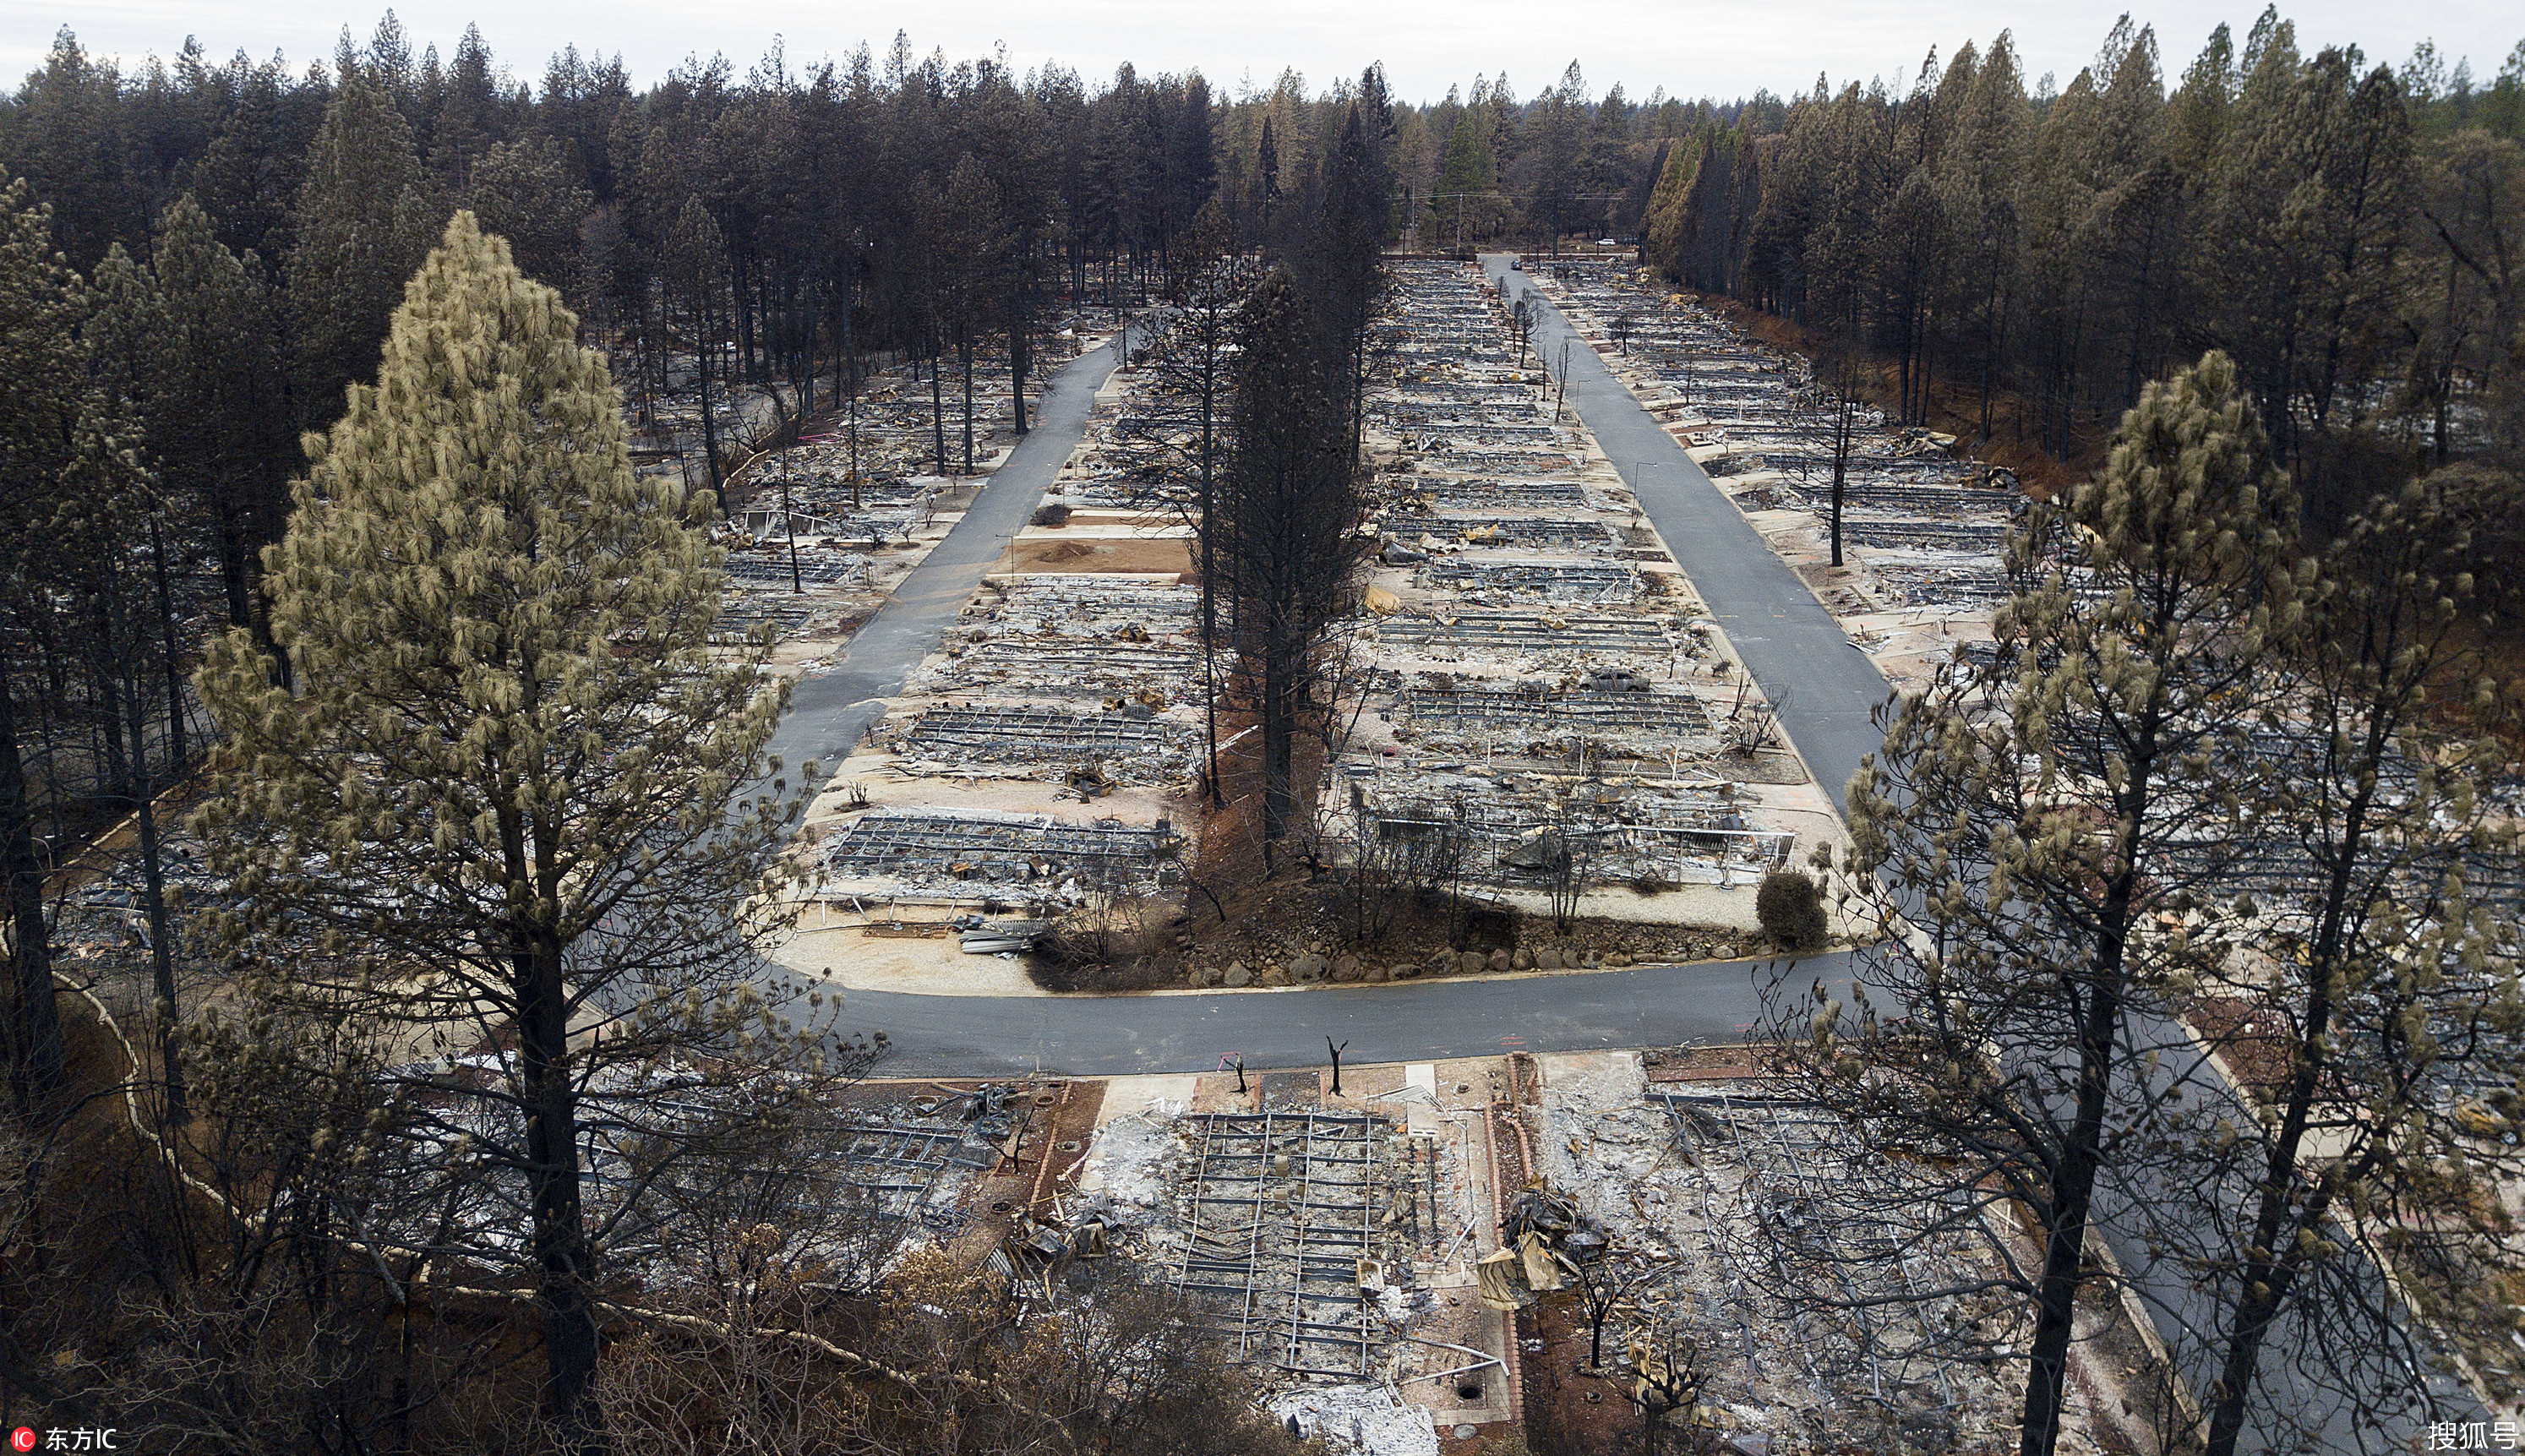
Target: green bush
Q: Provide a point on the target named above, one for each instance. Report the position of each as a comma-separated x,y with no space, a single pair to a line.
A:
1790,907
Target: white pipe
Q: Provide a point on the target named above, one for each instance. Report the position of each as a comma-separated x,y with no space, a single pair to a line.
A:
1421,1340
1486,1360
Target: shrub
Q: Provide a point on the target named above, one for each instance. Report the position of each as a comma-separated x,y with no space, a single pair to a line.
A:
1051,515
1790,907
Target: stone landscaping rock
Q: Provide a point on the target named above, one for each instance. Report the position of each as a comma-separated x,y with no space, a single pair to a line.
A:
1523,960
1547,959
1275,975
1406,971
1616,959
1499,960
1374,975
1237,976
1204,975
1308,969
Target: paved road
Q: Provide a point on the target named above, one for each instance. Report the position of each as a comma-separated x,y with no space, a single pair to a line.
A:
1825,688
827,714
1647,1006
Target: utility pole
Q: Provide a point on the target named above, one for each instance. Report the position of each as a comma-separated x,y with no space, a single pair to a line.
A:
1563,397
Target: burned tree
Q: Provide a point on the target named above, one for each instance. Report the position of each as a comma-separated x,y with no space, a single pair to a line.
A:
57,464
1844,405
1293,513
1665,1382
1184,421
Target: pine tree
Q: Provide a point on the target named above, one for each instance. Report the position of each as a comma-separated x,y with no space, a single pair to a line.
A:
131,617
65,134
2042,819
1341,260
517,798
218,419
362,224
696,259
973,245
2387,987
1464,208
522,191
45,442
1294,511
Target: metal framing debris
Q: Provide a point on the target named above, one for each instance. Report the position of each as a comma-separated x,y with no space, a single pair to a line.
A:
1282,1211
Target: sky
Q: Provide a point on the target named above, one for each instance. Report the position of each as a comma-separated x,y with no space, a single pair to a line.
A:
1690,47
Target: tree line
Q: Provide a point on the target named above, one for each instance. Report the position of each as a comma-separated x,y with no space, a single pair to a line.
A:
2345,232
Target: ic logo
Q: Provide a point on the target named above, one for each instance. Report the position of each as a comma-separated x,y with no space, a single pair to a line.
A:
21,1439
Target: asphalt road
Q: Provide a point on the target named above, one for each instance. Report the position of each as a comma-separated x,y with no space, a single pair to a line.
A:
828,712
1107,1036
1823,685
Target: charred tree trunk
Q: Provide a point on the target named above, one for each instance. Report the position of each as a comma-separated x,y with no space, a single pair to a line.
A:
35,1061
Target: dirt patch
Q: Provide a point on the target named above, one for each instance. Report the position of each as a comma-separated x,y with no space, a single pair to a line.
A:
1066,970
1704,1063
2244,1034
1267,927
1573,1409
1765,766
1109,554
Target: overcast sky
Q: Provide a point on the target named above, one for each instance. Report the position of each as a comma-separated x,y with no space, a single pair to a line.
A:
1691,49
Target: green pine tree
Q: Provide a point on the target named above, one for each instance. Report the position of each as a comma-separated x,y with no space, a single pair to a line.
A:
523,192
219,419
363,221
517,798
1467,178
